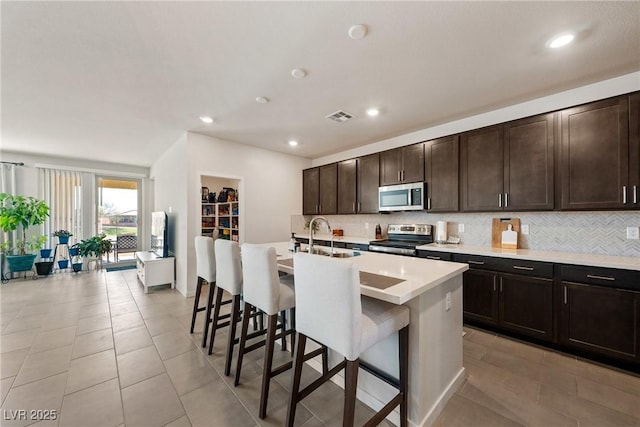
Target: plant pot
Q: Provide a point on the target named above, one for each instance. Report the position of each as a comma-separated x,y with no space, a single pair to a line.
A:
45,253
77,266
44,268
74,251
63,263
21,262
63,240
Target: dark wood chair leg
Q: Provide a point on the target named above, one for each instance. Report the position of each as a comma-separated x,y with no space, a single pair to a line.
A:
235,313
403,351
243,340
292,317
325,360
272,325
196,301
216,314
298,362
350,385
207,319
283,339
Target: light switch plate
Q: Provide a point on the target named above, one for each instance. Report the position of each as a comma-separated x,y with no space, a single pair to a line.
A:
525,229
460,228
633,233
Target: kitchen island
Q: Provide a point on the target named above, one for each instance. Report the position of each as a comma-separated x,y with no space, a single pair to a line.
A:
433,292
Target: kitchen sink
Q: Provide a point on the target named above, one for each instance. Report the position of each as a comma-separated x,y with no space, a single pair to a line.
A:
327,252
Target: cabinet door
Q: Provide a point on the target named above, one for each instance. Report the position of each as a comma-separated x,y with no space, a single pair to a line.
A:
480,297
482,170
310,191
390,167
594,163
528,167
368,183
526,305
329,189
412,163
601,320
633,200
347,186
441,174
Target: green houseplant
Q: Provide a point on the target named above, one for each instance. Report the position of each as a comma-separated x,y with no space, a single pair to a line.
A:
95,246
63,236
45,265
21,212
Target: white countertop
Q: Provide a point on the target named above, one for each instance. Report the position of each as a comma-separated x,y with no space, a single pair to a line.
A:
419,274
607,261
327,237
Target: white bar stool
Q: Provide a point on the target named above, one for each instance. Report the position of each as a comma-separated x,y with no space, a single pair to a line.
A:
263,290
331,311
206,271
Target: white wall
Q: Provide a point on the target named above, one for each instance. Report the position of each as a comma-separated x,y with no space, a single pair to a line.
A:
169,174
604,89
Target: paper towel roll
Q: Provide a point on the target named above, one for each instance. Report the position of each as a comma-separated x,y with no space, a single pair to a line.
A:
441,232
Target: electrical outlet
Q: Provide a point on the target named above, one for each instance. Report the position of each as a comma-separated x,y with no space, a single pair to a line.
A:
447,301
366,225
633,233
525,229
460,228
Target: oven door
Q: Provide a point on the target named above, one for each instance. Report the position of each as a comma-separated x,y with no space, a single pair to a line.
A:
405,197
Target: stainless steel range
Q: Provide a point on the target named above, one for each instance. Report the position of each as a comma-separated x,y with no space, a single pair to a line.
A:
403,238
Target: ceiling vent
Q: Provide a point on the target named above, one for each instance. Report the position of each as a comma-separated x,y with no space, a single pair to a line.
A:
340,116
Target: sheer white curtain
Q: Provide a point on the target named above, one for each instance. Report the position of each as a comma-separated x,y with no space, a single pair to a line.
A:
62,191
7,185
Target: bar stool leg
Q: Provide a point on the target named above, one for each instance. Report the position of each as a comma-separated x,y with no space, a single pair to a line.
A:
272,324
243,340
298,361
283,339
207,320
216,314
403,351
350,385
235,313
292,316
196,301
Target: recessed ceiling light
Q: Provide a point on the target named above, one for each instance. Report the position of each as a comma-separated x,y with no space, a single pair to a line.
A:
298,73
560,40
206,119
293,143
358,32
372,112
262,100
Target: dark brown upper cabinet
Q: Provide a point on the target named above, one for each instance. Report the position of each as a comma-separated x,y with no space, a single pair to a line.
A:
367,183
402,165
509,167
633,199
596,155
441,174
347,187
319,190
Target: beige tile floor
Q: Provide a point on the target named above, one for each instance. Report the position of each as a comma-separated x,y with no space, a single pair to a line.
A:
96,350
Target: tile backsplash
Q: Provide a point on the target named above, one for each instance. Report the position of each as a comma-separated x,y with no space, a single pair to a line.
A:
583,232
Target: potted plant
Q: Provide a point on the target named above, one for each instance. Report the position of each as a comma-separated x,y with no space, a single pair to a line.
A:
21,211
76,258
95,246
45,265
63,236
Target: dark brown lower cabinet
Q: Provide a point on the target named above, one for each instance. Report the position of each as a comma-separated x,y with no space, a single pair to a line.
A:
526,305
479,296
601,320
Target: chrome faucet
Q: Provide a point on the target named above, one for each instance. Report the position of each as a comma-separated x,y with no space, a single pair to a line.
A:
311,224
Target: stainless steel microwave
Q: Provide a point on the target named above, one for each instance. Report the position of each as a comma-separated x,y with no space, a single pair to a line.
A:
403,197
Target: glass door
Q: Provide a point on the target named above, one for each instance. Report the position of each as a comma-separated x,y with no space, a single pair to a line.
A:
118,200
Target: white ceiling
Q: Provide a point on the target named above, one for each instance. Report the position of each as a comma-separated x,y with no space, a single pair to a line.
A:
121,81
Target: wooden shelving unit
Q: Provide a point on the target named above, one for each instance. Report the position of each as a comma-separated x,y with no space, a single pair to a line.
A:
221,219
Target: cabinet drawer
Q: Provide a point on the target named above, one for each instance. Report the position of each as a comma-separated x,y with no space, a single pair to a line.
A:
477,261
613,278
525,268
358,246
435,255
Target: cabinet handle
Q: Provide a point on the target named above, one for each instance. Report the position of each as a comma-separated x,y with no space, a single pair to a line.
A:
433,257
354,206
501,285
499,200
517,267
593,276
358,206
476,262
506,199
428,203
624,194
399,179
565,294
494,284
635,194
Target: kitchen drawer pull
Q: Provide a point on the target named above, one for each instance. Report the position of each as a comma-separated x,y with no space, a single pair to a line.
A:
433,257
565,294
517,267
624,194
593,276
476,262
